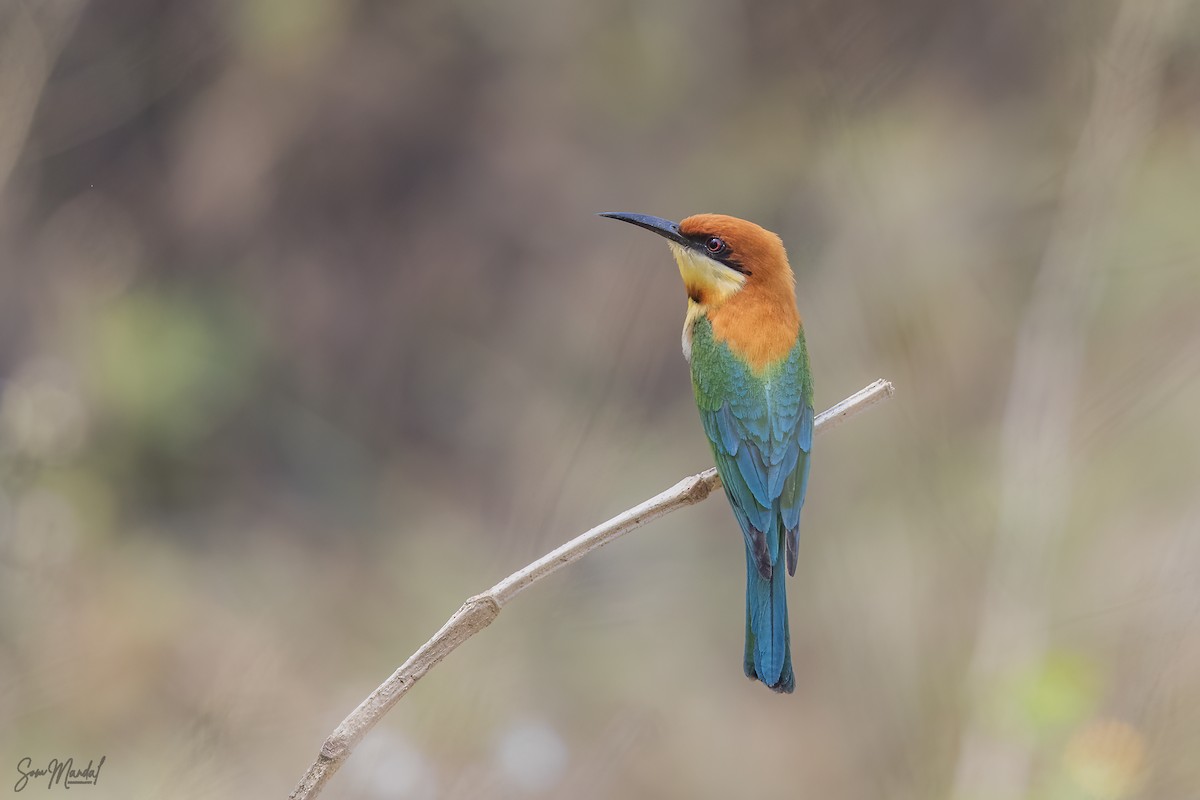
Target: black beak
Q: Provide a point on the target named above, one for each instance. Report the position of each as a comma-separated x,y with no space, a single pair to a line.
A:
663,227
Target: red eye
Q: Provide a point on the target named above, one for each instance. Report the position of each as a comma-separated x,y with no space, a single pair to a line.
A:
714,244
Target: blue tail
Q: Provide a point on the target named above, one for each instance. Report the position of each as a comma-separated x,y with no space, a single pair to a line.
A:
768,643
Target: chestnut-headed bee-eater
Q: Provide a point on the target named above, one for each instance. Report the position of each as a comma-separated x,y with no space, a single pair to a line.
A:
743,337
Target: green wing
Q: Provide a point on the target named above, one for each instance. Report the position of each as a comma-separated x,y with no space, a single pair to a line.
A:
760,428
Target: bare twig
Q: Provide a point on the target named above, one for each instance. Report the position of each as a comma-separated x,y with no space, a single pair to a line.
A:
479,611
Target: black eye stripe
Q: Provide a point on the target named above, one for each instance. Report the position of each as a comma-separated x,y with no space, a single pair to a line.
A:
722,254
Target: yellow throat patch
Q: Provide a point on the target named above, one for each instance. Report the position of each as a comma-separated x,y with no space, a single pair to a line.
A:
708,283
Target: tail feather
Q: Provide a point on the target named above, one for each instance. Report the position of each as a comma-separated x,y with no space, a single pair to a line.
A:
768,656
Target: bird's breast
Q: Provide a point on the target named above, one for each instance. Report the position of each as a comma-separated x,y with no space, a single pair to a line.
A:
759,328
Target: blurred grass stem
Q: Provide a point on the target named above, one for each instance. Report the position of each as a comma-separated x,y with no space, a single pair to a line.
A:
479,611
31,37
1035,461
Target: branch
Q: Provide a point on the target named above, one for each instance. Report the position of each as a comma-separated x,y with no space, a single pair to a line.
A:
479,611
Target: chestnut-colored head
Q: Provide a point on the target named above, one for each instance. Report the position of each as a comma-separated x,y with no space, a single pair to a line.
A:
754,254
719,256
737,275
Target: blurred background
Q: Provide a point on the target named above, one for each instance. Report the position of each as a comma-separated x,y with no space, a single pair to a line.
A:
308,332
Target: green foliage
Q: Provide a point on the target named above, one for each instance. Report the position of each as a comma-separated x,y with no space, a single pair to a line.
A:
168,369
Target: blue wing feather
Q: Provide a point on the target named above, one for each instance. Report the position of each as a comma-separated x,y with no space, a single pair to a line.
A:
728,428
761,436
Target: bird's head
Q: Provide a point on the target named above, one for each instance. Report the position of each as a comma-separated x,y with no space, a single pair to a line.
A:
720,256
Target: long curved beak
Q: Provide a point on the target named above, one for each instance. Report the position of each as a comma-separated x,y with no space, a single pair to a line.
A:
663,227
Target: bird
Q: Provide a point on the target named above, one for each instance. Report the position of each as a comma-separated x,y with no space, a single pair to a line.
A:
744,340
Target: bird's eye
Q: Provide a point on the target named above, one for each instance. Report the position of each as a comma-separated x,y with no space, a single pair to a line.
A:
715,245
